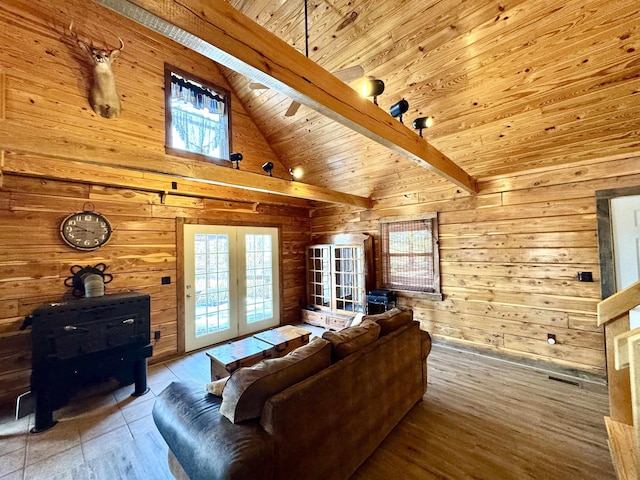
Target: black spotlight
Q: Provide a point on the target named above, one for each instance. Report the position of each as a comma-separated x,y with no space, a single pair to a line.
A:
236,158
397,109
422,122
373,87
267,167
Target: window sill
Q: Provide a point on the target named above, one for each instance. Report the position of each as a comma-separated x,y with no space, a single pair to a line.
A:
197,156
435,297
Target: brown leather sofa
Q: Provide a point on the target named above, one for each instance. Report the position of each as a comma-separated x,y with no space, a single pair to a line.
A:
323,427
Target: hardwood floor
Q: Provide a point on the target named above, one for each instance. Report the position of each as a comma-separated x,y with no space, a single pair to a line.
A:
481,419
484,418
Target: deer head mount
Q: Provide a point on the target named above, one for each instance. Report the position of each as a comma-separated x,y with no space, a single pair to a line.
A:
103,98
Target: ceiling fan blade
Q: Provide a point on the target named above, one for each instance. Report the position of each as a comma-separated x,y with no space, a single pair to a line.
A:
350,74
293,108
257,86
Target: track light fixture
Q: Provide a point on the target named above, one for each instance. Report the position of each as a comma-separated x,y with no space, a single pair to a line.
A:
267,167
295,173
372,87
422,122
399,108
236,158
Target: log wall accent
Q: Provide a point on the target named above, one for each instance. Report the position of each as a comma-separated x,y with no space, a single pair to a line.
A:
34,261
46,81
509,260
43,89
46,86
509,255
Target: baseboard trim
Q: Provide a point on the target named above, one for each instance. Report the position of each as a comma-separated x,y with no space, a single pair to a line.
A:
544,366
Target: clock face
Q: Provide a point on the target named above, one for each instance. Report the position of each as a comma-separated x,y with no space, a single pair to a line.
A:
85,230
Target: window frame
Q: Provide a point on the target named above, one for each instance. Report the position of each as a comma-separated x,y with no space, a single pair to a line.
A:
335,278
385,259
169,148
238,283
323,272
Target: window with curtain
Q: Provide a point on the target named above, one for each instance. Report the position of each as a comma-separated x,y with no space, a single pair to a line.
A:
197,116
409,252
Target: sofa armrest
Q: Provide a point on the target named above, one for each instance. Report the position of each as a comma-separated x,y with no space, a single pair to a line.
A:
425,344
425,339
204,442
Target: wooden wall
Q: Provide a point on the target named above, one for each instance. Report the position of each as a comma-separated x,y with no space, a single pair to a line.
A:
509,259
43,95
509,255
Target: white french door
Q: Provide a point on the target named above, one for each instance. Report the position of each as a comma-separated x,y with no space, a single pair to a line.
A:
232,282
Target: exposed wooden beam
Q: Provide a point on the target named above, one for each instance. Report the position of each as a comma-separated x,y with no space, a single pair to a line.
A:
52,143
225,35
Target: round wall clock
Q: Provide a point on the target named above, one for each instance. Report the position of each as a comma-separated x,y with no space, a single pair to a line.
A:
86,230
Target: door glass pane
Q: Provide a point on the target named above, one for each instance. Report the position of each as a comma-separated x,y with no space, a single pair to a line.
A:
349,278
211,283
319,276
259,277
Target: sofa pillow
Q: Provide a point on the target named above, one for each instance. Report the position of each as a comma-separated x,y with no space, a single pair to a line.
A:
357,320
390,320
216,387
249,388
350,340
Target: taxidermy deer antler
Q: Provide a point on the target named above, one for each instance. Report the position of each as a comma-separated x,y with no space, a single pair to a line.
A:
104,98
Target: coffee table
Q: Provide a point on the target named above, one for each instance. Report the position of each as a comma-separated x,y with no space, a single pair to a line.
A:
227,358
284,339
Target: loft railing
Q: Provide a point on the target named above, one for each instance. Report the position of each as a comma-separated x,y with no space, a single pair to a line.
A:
623,372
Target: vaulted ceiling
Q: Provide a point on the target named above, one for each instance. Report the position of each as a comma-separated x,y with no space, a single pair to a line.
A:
512,85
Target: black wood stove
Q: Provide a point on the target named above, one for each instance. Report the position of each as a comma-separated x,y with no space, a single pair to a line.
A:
85,340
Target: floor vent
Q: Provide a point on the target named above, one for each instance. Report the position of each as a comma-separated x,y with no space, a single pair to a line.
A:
563,380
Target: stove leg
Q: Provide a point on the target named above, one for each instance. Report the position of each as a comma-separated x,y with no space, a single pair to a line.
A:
44,417
140,376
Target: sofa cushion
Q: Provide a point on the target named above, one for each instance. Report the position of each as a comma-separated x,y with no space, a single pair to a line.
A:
350,340
216,387
357,320
248,388
205,443
390,320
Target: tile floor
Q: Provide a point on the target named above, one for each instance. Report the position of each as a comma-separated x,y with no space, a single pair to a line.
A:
99,430
98,424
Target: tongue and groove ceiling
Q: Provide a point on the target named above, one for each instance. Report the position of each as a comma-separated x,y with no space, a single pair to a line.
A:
512,85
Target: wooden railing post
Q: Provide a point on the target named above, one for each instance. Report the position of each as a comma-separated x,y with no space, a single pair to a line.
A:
623,372
633,347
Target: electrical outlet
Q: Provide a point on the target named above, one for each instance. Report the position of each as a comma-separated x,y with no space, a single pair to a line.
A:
551,338
585,276
166,280
156,335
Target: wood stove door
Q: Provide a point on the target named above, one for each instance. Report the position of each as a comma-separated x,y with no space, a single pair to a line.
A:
80,338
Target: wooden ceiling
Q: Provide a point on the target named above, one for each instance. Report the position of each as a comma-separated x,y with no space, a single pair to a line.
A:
513,85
